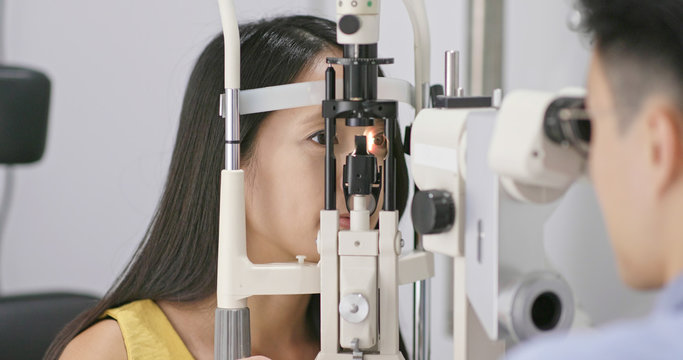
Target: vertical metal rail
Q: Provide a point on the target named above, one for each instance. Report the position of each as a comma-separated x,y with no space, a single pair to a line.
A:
485,44
452,70
421,333
452,88
330,130
230,105
232,334
390,167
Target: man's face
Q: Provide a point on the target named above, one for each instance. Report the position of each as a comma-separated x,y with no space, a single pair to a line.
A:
619,170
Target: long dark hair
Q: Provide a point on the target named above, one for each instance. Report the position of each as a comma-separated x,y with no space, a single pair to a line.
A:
177,258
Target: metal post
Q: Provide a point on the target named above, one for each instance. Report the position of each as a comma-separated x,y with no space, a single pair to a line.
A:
421,298
229,109
485,44
452,64
390,167
232,338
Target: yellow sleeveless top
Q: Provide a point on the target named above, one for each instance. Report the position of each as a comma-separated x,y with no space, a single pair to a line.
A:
147,333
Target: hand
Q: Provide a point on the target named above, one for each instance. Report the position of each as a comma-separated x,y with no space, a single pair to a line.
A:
259,357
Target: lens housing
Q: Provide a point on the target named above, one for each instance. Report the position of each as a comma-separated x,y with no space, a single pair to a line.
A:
567,123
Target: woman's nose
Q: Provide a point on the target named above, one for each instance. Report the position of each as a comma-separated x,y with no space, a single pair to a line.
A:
341,200
344,147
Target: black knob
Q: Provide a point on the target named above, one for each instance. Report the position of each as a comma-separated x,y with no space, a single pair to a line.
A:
433,212
349,24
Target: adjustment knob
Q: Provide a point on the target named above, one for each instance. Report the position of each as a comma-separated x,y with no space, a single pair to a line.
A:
433,212
349,24
354,308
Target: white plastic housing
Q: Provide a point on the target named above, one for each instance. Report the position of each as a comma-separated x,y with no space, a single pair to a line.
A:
437,161
238,278
366,35
358,275
507,266
231,36
348,268
311,93
532,168
422,50
232,238
438,155
360,7
367,12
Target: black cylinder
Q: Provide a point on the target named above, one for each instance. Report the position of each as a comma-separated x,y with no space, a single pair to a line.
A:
330,133
433,212
572,131
360,171
360,78
390,166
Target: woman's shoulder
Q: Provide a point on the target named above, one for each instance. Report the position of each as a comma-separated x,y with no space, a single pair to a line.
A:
103,340
138,330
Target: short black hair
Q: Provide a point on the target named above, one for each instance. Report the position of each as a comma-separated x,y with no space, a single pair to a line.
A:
640,43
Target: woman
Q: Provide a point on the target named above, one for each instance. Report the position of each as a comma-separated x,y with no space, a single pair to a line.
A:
163,305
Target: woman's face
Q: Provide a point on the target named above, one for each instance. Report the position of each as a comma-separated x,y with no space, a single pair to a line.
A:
284,178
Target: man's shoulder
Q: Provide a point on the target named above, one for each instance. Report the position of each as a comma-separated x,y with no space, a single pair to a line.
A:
655,337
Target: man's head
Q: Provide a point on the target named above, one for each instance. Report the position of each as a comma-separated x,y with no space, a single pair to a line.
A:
635,96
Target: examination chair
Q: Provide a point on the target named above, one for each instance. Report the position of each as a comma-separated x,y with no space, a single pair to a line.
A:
28,322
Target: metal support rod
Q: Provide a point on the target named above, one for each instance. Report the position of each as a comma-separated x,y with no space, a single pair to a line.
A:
421,298
230,110
390,167
232,339
421,340
485,65
330,130
452,64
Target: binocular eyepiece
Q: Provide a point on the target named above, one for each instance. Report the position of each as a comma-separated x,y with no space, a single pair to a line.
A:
567,123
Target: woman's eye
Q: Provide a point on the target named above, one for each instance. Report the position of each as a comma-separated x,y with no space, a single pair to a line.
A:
319,137
380,140
377,143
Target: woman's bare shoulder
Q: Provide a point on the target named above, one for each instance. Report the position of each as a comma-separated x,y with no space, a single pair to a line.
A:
103,340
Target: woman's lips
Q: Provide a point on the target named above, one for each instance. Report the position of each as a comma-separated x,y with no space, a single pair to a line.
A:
344,222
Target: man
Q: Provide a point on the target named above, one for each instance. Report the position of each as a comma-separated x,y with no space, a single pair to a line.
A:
635,98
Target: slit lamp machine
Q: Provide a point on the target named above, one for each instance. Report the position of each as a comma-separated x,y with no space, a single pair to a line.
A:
484,167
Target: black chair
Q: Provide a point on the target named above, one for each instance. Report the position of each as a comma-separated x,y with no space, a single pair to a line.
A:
29,323
24,107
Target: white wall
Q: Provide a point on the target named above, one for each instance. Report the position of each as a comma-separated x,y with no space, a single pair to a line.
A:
119,69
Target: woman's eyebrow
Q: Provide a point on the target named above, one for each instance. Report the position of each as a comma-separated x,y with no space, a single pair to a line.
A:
313,119
309,122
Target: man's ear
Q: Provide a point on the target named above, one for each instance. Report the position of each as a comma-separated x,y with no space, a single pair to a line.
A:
664,124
